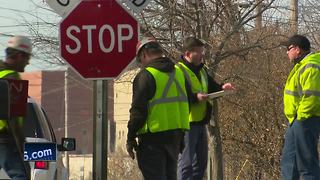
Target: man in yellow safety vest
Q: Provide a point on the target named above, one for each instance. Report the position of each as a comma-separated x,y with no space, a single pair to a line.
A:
302,109
193,160
158,114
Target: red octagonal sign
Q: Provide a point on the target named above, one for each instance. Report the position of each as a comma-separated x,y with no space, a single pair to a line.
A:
98,39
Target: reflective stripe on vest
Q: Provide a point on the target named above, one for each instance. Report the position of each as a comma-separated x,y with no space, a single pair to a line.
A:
169,108
300,72
197,110
302,89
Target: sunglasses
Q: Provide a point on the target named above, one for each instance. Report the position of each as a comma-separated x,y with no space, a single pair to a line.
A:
289,48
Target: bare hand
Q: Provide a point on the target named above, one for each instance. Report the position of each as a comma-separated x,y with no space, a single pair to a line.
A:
228,86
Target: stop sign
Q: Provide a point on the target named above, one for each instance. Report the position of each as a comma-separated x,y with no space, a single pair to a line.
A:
98,38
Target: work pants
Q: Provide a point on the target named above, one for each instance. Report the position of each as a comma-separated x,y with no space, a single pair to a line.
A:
300,156
158,161
193,160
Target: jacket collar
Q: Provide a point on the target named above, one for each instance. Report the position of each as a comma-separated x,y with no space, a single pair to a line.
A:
192,67
299,59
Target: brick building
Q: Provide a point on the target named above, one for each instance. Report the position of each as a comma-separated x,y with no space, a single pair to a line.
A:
48,88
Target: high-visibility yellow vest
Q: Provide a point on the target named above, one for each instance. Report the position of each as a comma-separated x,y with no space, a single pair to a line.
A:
6,72
302,89
169,108
3,74
197,110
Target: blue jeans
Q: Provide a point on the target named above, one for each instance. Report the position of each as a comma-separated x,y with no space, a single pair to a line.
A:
11,162
193,160
300,156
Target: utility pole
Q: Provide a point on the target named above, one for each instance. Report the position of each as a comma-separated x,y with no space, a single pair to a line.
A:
294,17
66,117
258,20
199,19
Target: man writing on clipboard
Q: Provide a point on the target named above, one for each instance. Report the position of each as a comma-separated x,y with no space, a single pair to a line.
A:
193,160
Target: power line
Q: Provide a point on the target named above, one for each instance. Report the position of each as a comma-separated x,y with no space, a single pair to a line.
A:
6,35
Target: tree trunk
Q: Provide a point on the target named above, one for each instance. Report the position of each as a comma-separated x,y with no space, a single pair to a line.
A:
215,147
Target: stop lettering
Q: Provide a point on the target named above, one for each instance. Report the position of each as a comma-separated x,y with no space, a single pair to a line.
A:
104,30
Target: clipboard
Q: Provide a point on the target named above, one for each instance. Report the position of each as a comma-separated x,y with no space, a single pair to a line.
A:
219,94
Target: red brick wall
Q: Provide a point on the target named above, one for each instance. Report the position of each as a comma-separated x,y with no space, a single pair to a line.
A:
35,80
47,87
53,100
80,110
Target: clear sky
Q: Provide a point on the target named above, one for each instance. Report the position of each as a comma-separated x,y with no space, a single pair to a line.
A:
13,17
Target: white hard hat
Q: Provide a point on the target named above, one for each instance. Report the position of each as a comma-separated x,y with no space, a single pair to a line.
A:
20,43
143,42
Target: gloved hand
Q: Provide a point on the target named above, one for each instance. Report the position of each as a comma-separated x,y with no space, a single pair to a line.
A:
131,145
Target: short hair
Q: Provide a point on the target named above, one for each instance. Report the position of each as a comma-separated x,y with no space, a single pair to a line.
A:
190,43
298,40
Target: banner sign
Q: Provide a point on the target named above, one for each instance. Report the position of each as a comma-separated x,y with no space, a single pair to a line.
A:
40,152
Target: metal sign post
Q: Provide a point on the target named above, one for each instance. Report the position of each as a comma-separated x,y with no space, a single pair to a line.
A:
100,126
